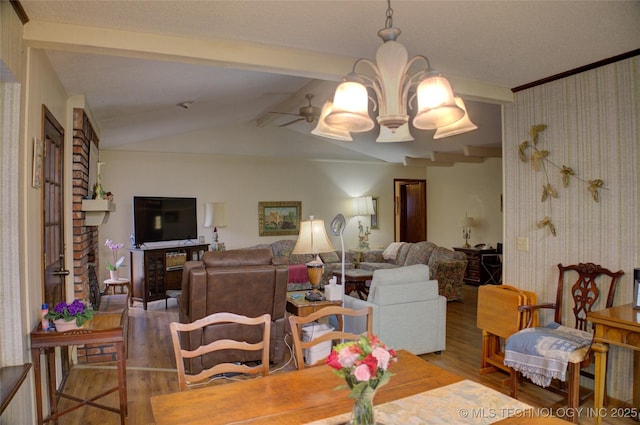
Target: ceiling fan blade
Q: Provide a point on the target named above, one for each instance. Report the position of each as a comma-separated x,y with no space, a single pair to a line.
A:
291,122
284,113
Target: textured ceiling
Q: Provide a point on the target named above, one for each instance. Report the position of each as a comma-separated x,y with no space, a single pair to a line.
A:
132,88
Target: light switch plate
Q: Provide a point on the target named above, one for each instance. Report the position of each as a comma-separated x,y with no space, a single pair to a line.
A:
522,243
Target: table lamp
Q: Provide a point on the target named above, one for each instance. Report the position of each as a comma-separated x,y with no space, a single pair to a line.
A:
467,223
215,215
313,239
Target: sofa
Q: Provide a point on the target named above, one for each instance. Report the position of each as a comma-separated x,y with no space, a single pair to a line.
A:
408,312
245,282
298,279
445,265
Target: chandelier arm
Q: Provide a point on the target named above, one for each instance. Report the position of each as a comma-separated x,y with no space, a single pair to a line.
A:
409,81
371,82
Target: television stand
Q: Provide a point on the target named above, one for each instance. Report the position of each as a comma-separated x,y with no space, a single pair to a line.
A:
154,271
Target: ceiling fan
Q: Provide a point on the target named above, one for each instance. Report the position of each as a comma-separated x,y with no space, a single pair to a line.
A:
308,113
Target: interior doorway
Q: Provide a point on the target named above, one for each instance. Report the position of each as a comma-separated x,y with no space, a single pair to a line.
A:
410,210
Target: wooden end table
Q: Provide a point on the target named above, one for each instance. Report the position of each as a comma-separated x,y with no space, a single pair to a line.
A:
121,283
102,328
355,280
299,306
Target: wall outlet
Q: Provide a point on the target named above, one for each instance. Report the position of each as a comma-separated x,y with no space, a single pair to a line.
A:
522,243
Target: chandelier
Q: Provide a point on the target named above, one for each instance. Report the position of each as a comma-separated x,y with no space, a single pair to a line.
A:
395,80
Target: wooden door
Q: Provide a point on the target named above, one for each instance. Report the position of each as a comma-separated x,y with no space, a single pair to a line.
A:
411,210
54,266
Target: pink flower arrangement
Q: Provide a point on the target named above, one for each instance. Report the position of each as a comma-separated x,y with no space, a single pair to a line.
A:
364,364
114,247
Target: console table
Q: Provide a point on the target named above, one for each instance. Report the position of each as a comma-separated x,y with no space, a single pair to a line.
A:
103,328
154,271
619,326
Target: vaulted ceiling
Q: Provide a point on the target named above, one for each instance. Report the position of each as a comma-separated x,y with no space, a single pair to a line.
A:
237,61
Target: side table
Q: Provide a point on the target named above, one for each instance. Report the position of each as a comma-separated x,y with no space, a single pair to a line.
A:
355,280
299,306
102,328
618,326
121,283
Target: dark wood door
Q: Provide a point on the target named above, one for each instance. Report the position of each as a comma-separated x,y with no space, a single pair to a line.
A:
411,214
54,266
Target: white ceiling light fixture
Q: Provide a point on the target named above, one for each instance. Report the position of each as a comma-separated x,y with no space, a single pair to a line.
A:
394,76
463,125
324,130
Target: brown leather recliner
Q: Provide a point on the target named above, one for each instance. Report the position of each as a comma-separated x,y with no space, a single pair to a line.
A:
240,281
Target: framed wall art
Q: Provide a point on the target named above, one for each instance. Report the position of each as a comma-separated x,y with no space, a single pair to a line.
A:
279,218
374,216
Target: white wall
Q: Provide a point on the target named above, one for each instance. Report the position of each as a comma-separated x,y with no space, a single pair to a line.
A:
324,188
473,189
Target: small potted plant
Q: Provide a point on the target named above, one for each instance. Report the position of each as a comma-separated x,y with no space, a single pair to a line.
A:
117,262
70,316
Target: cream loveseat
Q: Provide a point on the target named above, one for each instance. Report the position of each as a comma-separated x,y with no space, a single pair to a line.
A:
408,313
445,265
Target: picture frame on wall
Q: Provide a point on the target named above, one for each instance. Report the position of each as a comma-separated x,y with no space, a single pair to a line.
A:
374,216
277,218
37,163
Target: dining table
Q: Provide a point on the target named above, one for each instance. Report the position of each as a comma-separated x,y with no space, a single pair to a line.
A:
317,395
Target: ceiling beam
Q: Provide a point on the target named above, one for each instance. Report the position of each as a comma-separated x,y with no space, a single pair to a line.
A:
483,152
454,157
424,162
219,52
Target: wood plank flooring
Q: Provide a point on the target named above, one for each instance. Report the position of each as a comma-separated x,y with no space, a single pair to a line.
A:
151,366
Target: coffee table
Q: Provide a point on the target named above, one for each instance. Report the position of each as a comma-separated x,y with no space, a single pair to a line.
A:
355,280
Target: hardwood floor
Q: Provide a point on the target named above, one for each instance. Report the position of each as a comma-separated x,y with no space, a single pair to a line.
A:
151,366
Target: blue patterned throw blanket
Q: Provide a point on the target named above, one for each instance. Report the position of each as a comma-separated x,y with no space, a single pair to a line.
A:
542,354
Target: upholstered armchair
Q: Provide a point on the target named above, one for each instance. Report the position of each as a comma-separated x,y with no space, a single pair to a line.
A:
244,282
408,313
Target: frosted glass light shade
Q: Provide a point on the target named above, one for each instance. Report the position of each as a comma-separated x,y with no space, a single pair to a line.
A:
463,125
363,205
350,108
436,105
215,214
313,238
325,130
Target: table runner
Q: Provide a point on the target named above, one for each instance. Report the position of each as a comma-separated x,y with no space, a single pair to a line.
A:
465,402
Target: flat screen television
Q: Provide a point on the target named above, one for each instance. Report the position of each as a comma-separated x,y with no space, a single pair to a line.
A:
159,219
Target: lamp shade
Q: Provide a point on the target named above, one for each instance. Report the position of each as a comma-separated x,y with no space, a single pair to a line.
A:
467,221
350,108
325,130
436,105
461,126
363,205
313,238
215,214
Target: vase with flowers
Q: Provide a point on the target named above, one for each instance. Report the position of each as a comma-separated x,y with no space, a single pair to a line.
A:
117,262
364,364
70,316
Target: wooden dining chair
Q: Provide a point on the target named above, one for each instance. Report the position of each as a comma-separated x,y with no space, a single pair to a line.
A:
297,323
591,280
184,379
